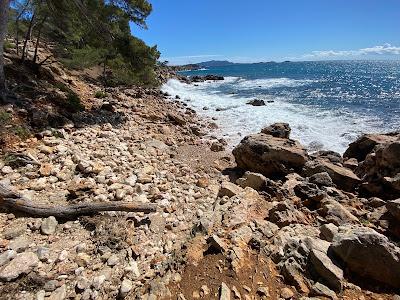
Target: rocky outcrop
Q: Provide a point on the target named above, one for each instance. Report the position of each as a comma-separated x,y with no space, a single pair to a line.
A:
393,208
269,155
309,191
380,171
368,254
256,102
366,143
336,213
198,78
285,213
280,130
341,176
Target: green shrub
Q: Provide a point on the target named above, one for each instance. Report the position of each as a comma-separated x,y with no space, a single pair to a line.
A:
22,132
100,94
5,117
8,45
74,103
84,58
62,87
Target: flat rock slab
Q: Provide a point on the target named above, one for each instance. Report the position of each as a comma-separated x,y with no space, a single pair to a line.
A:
21,264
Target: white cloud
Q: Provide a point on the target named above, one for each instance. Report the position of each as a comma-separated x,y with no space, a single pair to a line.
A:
385,49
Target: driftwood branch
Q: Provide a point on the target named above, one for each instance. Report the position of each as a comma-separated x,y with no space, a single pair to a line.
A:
17,202
22,158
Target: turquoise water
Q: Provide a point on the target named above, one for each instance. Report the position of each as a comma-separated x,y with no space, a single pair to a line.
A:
328,104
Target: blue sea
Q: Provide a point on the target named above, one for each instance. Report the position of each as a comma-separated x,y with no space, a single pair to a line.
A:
327,104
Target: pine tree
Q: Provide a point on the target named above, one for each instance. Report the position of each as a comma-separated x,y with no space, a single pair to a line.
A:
88,32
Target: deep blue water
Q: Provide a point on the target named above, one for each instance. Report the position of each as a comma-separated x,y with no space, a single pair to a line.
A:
328,104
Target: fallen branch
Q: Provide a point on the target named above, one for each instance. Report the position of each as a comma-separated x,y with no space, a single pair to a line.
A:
47,58
22,159
17,202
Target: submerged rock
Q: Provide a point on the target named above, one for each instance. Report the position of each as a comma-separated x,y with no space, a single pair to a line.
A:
256,102
198,78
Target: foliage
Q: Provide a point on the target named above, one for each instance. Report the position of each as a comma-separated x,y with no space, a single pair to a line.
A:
4,117
73,103
89,33
8,45
100,94
84,58
22,132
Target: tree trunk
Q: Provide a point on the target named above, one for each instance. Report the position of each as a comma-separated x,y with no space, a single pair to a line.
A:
17,35
38,39
17,23
17,202
27,37
4,8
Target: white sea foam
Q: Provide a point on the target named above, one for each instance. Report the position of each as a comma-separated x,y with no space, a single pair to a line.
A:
316,128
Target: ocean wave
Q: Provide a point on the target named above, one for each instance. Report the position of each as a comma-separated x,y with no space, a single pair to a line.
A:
316,128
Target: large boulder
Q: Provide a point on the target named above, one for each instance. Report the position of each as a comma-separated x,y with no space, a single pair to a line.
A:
393,208
336,213
368,254
280,130
341,176
324,266
380,171
297,248
366,143
269,155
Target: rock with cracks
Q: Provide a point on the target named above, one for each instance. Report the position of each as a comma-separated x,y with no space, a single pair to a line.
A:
368,254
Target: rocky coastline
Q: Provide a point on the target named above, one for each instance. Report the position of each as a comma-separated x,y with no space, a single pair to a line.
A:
268,221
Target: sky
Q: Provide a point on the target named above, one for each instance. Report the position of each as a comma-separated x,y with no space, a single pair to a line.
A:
189,31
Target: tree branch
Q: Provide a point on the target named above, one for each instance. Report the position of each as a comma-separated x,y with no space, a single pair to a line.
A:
17,202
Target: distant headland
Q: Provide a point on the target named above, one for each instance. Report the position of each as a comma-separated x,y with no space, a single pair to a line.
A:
214,64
